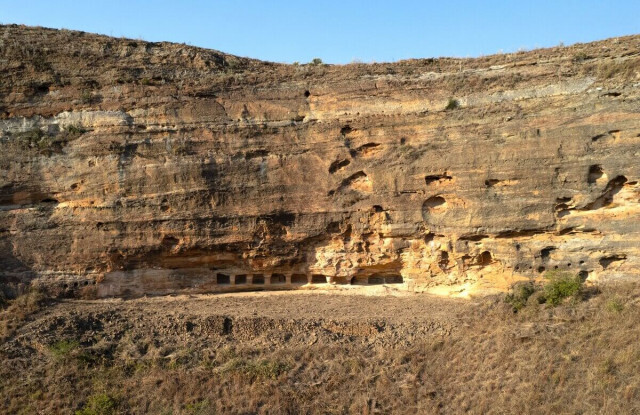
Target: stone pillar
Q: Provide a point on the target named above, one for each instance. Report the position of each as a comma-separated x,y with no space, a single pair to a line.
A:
267,279
309,278
249,279
232,279
288,277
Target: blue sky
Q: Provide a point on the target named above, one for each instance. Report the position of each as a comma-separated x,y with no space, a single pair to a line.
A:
341,31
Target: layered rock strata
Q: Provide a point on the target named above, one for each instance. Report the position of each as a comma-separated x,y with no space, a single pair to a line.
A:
152,168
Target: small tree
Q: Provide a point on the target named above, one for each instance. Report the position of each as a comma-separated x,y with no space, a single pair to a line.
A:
316,61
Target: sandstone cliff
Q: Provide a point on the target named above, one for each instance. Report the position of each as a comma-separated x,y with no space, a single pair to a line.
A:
155,168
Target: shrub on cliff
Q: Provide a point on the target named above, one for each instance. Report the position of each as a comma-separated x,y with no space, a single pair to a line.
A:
520,295
452,104
561,285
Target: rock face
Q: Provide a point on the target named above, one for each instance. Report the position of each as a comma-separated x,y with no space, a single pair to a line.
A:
157,168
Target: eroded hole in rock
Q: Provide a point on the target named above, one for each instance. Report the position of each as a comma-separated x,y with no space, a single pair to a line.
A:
346,130
241,279
338,164
333,227
358,181
364,150
168,242
307,94
429,179
491,182
164,205
299,279
49,200
545,252
606,198
434,205
223,279
484,259
258,279
473,238
278,279
595,173
443,260
541,269
583,275
608,260
318,279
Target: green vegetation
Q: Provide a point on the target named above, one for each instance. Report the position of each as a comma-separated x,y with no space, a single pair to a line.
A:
580,57
520,295
561,285
264,369
75,130
316,61
99,404
63,348
45,143
86,97
614,305
452,104
198,408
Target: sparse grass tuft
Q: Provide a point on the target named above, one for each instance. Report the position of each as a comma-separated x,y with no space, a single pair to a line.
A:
63,348
262,369
580,57
16,311
99,404
626,69
614,305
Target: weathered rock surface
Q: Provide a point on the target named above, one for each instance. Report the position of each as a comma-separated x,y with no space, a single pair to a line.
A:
157,168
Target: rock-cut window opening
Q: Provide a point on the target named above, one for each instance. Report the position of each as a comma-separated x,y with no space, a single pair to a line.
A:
299,279
278,279
223,279
318,279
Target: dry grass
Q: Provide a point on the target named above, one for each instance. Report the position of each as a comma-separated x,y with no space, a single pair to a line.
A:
625,69
14,312
577,357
